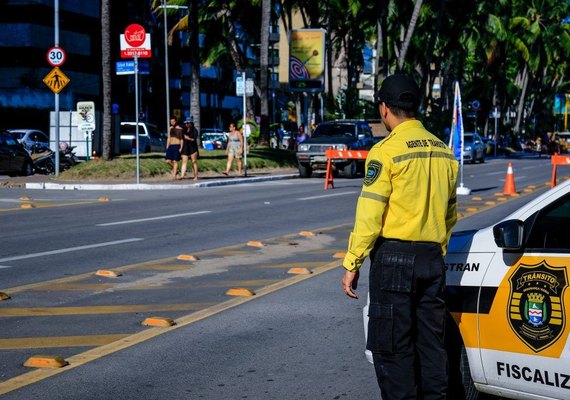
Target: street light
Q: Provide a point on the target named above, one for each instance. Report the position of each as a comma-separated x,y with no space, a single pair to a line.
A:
165,6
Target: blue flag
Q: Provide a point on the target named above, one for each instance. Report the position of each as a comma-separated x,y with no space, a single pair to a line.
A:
456,137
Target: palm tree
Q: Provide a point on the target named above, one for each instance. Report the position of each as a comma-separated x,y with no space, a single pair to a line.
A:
106,77
409,33
263,69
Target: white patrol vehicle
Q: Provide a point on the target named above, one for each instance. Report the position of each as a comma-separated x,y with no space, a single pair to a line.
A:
507,294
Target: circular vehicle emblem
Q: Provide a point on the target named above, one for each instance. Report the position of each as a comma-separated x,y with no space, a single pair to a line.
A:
135,35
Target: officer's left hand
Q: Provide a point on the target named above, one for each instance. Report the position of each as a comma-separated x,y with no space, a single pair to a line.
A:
350,283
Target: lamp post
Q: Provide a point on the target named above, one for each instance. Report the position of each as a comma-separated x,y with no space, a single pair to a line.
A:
164,7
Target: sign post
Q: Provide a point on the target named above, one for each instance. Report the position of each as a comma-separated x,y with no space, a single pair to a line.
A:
86,123
244,87
135,43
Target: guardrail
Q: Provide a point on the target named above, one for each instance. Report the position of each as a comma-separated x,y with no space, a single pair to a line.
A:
341,154
557,159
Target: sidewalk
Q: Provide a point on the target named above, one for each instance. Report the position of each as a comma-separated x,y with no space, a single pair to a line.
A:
207,179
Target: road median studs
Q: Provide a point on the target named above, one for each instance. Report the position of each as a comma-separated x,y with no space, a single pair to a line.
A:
25,198
240,292
306,233
187,257
108,273
104,199
4,296
299,271
490,203
255,243
502,198
476,198
43,361
339,255
27,205
158,321
471,209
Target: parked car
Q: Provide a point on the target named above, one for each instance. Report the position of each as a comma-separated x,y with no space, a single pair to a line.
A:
150,138
474,148
14,158
30,137
337,135
507,294
213,139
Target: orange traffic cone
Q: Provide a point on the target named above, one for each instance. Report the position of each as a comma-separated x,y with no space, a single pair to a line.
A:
510,182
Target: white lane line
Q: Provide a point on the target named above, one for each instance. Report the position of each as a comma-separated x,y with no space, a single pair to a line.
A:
325,195
70,249
134,221
5,266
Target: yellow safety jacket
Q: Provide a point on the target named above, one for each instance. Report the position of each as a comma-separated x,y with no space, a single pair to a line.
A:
408,193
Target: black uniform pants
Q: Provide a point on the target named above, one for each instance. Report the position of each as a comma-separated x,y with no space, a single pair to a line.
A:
407,320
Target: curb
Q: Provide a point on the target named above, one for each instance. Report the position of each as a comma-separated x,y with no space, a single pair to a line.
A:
146,186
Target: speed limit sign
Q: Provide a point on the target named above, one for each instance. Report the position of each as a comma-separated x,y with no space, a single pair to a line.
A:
56,56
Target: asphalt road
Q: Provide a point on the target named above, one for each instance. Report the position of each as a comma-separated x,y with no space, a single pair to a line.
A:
298,337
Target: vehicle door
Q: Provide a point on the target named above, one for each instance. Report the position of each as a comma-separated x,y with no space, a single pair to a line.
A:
479,146
524,336
4,153
156,140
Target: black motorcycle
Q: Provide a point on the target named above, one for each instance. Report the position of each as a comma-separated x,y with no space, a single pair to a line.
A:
43,159
67,157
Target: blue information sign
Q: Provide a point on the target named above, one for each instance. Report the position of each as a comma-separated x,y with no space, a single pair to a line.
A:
128,67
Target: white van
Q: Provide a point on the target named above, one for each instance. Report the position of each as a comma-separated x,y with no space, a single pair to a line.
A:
507,294
150,138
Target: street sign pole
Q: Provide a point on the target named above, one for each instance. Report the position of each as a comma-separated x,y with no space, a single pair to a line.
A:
137,116
243,129
56,100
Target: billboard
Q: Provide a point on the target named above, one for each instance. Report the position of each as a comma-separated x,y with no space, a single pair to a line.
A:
307,60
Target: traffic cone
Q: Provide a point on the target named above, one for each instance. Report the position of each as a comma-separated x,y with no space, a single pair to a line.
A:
510,182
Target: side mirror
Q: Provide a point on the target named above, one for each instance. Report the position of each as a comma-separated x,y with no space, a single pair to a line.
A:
509,234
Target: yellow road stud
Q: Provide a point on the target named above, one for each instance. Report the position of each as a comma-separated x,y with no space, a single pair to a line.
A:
254,243
471,209
108,273
42,361
502,198
477,198
240,292
27,205
25,198
306,233
4,296
104,199
158,321
187,257
299,271
490,203
339,255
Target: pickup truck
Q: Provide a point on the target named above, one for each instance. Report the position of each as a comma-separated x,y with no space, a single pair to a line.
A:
336,135
509,305
150,138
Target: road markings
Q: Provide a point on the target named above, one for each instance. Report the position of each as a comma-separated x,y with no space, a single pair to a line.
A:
5,266
98,352
324,196
96,310
134,221
59,341
70,249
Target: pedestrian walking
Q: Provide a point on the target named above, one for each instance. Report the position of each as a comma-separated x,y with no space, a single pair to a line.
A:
190,149
234,149
174,146
404,217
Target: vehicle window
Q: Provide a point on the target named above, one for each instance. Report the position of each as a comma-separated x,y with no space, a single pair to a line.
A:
131,129
550,228
38,137
155,133
330,130
9,141
365,130
17,135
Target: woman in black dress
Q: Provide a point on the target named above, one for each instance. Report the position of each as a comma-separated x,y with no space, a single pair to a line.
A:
190,149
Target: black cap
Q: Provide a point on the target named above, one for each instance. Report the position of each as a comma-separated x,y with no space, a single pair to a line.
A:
399,91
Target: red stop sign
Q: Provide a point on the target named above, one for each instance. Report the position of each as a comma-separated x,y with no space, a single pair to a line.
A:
135,35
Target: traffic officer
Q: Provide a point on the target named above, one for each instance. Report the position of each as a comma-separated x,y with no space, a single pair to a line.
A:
404,217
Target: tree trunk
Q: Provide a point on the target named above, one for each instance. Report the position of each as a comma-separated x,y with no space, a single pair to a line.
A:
409,33
194,47
264,67
106,78
520,108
